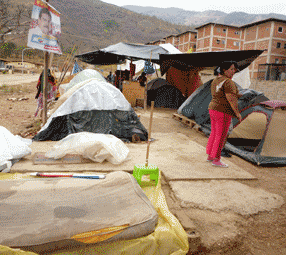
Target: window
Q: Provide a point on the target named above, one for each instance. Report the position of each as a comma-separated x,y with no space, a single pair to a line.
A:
218,29
236,33
224,30
195,36
217,41
276,61
283,61
280,29
236,43
285,46
223,41
195,46
278,45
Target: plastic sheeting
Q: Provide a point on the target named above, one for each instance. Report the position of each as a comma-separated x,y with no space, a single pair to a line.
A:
12,147
83,76
97,147
169,237
92,106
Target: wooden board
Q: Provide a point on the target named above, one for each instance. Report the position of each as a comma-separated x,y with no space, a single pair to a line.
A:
39,158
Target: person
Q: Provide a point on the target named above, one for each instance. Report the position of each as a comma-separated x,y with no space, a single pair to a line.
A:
223,106
44,23
110,78
52,91
142,79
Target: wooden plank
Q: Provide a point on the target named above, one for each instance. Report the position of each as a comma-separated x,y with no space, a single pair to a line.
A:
39,158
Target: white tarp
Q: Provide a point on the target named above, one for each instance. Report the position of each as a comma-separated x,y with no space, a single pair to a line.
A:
242,78
96,147
91,94
12,147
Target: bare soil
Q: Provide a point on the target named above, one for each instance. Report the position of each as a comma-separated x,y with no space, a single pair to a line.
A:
263,233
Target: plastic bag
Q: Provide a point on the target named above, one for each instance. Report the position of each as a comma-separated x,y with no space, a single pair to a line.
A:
12,147
97,147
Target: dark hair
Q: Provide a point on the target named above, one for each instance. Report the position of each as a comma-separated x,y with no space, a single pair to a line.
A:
225,66
44,11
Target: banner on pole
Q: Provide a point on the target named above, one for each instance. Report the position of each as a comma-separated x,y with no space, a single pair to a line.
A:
45,28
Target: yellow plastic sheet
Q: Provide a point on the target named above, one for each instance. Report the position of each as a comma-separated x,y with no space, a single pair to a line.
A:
169,237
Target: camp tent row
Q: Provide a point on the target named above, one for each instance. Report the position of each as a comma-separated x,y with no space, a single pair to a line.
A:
255,139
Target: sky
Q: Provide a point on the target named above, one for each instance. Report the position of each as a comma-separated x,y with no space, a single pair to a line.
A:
248,6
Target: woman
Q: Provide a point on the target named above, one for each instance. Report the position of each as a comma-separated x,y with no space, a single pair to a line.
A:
223,106
52,91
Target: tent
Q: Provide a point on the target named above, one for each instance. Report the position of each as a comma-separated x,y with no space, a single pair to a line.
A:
164,94
182,70
117,53
260,138
92,105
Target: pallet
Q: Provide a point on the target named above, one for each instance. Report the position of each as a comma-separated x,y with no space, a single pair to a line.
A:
191,123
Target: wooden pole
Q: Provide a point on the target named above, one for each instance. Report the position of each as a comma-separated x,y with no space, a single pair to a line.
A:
145,88
45,86
45,83
149,133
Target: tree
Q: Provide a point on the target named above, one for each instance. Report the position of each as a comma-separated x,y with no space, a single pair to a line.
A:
7,49
13,18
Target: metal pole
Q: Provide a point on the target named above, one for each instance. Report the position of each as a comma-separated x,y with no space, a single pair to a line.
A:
23,58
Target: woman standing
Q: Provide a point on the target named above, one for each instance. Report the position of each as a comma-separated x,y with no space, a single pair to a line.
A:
223,106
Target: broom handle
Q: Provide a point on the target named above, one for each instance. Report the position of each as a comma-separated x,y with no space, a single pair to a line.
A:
149,133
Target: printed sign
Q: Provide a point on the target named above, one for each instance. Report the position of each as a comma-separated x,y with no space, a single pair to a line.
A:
45,28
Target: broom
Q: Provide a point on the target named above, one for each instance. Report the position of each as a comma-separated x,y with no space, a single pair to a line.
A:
151,170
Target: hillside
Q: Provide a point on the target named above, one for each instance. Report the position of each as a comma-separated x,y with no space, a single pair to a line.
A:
92,24
193,18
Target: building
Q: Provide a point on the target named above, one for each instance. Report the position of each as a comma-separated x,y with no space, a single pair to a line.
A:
186,42
268,35
218,37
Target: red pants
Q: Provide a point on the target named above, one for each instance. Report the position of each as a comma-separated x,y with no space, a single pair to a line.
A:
220,123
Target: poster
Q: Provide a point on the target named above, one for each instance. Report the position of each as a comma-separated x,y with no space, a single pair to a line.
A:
45,28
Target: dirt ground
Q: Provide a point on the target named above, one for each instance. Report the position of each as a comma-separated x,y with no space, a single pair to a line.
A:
263,233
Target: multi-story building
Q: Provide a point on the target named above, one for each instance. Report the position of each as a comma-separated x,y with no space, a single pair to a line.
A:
218,37
268,35
186,42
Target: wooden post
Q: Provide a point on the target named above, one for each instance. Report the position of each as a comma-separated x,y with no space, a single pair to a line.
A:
45,86
149,133
145,95
46,60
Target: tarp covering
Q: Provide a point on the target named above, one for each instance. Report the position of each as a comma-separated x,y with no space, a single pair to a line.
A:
117,53
185,61
93,106
164,94
196,106
168,237
260,140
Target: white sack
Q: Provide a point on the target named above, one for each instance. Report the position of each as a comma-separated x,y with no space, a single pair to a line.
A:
97,147
12,147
